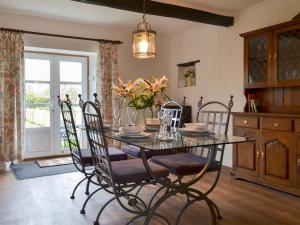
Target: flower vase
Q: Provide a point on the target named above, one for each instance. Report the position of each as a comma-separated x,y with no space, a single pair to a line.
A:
118,112
140,118
150,115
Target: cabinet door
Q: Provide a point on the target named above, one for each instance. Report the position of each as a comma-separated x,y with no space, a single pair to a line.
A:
277,149
258,52
246,155
298,160
287,56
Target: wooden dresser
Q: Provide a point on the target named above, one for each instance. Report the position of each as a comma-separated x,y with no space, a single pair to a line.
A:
271,77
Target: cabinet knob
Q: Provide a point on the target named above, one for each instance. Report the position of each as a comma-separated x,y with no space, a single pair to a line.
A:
257,154
275,56
276,124
262,155
245,122
298,162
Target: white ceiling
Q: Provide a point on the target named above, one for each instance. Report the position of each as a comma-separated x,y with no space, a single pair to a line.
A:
226,6
84,13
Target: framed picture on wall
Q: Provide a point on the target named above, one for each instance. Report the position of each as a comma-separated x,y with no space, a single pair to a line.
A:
187,74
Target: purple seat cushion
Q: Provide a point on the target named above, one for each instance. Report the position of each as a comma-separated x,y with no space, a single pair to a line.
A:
133,170
114,153
184,164
136,152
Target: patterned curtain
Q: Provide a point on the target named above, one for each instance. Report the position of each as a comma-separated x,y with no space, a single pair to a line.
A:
11,92
107,73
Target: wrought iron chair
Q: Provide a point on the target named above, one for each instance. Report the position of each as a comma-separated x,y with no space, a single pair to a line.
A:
192,163
82,158
123,176
176,110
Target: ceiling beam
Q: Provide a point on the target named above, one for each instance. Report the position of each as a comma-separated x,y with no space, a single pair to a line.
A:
166,10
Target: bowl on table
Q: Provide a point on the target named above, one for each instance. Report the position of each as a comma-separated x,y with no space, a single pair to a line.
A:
195,126
131,130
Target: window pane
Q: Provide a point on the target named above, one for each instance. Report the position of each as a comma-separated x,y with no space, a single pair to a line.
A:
77,114
37,117
70,71
36,93
37,69
72,90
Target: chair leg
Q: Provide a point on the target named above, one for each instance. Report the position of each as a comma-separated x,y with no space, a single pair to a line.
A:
73,193
101,210
82,211
87,189
216,209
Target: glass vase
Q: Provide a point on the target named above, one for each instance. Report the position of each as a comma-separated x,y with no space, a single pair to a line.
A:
132,114
117,112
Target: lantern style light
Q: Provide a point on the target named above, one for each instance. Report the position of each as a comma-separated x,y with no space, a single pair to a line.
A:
143,40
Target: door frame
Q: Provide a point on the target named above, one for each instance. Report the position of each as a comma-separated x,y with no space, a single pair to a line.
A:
54,89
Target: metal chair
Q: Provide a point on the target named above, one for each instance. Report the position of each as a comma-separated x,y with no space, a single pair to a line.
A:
192,163
176,110
82,158
123,176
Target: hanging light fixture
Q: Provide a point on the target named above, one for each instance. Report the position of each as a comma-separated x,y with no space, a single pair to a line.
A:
143,39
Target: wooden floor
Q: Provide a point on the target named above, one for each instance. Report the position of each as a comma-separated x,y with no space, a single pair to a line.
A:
45,201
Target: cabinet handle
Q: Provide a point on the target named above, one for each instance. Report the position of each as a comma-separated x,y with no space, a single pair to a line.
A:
262,155
257,154
245,122
298,162
275,56
276,124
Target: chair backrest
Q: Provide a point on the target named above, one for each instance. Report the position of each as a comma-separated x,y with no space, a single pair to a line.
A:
176,110
97,141
70,128
217,120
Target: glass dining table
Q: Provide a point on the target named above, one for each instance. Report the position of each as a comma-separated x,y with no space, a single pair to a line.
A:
210,141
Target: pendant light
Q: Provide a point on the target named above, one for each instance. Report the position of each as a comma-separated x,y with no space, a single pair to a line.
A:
143,39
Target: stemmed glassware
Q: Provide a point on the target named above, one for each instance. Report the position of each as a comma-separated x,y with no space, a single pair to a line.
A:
165,118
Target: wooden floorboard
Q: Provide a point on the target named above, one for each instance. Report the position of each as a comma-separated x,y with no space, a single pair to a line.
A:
45,201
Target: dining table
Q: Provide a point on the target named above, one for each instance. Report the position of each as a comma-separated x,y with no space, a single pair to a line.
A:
178,141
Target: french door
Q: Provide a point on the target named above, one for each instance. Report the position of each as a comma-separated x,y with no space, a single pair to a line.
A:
46,76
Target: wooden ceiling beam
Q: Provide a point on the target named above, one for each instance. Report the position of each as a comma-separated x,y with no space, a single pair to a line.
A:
165,10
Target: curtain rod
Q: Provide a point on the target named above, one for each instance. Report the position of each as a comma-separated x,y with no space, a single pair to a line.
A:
61,36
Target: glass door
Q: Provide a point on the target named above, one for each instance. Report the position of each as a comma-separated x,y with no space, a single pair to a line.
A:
46,76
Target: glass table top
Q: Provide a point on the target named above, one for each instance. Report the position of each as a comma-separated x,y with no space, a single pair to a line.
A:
179,140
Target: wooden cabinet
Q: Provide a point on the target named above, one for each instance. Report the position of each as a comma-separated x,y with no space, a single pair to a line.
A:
287,56
258,52
271,87
274,159
246,155
297,161
277,150
271,56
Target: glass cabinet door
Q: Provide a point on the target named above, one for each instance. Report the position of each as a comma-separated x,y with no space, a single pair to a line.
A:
258,60
287,56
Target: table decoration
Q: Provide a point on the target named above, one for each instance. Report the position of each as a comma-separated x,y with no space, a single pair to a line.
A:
142,95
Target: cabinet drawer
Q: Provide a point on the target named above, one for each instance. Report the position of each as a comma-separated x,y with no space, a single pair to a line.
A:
243,121
277,124
297,126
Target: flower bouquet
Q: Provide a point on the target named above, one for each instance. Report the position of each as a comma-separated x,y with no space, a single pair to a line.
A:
142,94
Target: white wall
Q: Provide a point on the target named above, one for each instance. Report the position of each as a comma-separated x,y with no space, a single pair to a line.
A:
220,72
130,68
